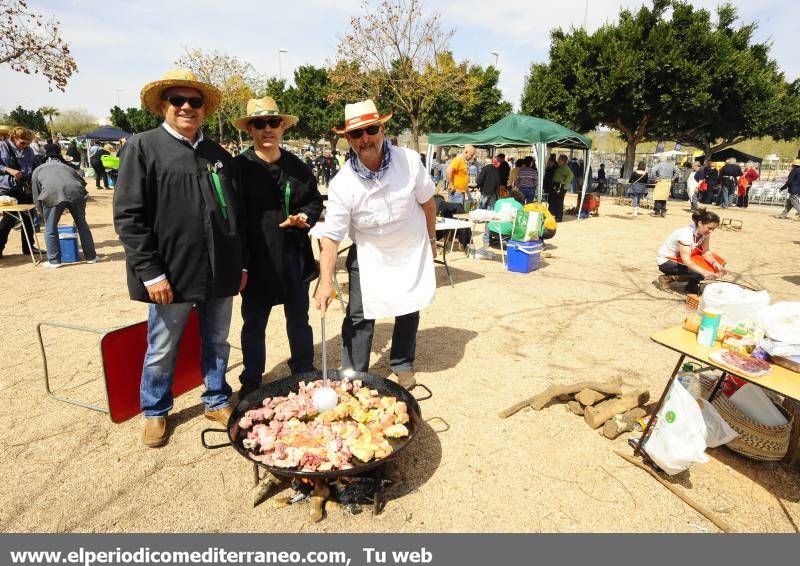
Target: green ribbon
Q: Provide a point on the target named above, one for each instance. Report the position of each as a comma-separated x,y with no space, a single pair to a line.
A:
287,195
218,190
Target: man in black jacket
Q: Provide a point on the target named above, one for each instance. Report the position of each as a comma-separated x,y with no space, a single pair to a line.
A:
177,216
279,192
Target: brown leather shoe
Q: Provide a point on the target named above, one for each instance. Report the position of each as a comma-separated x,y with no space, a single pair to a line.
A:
405,379
220,415
155,432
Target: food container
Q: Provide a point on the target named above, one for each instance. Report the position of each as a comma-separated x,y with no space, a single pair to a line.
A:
709,324
68,242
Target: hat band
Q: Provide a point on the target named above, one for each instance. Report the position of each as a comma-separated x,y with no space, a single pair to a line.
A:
265,113
363,118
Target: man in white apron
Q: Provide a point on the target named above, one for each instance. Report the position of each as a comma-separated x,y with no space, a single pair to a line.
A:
383,198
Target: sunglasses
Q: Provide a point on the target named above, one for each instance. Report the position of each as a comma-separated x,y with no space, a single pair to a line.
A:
178,101
371,130
261,123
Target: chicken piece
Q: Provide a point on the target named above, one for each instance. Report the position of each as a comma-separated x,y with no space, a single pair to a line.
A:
362,452
396,431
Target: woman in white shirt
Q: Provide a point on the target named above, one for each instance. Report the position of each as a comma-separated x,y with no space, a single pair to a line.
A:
686,253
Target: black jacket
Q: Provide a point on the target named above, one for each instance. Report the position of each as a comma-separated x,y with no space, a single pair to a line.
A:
488,180
263,191
171,221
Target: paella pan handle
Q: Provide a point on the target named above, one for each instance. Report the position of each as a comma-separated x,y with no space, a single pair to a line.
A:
424,397
208,446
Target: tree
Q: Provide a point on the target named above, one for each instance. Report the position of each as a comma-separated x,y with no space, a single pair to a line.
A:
49,112
31,119
234,78
454,114
663,72
31,44
134,120
309,99
74,122
398,55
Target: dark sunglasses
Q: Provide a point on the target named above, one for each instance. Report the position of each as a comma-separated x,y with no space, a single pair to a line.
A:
371,130
261,123
178,101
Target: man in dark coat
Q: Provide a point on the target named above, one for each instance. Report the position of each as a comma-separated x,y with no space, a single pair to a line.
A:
280,195
178,218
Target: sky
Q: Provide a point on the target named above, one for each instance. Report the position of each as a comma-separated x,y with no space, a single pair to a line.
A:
120,46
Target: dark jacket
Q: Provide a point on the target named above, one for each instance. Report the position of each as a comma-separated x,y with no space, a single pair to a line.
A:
793,182
263,191
504,170
488,180
170,219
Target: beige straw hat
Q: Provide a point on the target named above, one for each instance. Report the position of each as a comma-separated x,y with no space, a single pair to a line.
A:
152,92
263,108
360,115
4,130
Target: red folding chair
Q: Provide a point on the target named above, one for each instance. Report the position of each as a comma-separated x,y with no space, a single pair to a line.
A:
122,352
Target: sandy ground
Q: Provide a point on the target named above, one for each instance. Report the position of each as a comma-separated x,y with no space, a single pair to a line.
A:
490,341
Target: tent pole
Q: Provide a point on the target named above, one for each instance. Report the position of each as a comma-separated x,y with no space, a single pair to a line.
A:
429,158
587,156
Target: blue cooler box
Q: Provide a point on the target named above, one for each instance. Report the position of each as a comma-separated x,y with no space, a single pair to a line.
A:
68,242
523,257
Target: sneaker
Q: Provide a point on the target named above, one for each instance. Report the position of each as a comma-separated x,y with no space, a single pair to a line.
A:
51,265
95,259
484,254
404,379
779,217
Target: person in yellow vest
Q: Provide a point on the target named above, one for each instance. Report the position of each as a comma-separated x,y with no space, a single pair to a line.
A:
458,175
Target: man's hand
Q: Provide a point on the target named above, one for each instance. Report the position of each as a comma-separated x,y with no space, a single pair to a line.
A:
295,221
17,174
243,283
161,292
324,296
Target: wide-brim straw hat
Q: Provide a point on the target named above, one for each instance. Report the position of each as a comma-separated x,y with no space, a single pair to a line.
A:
5,130
360,115
152,92
263,108
796,162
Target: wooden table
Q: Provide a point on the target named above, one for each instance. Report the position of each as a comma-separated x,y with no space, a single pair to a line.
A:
17,211
780,380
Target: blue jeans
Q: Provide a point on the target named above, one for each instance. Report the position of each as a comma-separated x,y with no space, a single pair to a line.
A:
635,198
51,217
456,197
530,194
255,315
165,324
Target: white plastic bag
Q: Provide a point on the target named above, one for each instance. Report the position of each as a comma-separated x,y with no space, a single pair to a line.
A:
718,432
736,303
678,438
781,322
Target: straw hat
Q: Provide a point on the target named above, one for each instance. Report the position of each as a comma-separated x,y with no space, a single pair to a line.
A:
263,108
796,163
4,130
360,115
151,93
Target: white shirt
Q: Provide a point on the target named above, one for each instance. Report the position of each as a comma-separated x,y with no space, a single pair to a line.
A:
669,250
387,224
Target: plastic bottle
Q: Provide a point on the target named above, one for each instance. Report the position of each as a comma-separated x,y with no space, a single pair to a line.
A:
689,380
709,325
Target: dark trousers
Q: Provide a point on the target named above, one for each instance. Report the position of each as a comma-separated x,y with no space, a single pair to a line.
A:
8,222
674,268
659,207
743,200
556,203
357,331
99,171
255,315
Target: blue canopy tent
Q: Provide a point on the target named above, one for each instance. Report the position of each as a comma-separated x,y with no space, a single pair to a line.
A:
105,133
521,130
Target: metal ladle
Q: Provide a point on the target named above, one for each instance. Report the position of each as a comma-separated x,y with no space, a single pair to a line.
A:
325,398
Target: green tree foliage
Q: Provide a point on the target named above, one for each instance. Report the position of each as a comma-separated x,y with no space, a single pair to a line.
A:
134,120
74,122
31,44
456,114
49,112
309,99
663,72
31,119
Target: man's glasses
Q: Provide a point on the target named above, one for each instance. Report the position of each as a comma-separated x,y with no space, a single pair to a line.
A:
178,101
371,130
261,123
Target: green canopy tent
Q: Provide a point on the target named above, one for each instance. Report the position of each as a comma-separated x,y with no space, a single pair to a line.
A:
520,130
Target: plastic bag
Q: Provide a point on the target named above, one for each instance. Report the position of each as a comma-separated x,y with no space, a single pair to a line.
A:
527,226
678,439
6,200
718,432
781,322
736,303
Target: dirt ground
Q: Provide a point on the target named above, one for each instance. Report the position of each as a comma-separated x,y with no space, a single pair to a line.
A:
491,340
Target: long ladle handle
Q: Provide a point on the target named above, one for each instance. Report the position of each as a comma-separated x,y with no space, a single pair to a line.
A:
324,355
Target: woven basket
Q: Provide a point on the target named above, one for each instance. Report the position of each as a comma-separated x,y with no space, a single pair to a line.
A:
755,440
